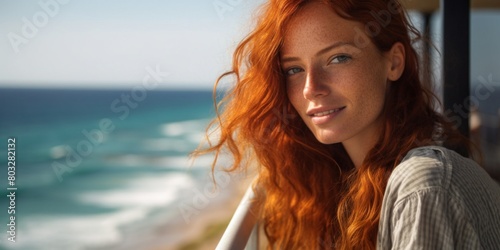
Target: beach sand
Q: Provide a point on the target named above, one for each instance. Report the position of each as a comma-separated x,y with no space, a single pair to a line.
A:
206,228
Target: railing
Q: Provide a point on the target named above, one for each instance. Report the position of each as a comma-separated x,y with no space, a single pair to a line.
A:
243,230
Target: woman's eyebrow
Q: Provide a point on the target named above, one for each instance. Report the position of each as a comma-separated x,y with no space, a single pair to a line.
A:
333,46
285,58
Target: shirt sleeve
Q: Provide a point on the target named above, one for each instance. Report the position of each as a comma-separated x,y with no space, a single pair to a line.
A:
432,219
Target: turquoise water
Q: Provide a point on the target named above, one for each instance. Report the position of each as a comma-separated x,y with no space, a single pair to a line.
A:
91,164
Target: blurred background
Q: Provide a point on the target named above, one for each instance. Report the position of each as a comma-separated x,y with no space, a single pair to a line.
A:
106,99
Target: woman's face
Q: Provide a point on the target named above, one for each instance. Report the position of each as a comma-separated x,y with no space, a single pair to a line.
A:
336,78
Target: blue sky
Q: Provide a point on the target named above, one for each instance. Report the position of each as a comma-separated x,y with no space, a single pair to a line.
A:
96,43
110,43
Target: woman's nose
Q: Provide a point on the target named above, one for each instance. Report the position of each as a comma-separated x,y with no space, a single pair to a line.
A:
316,85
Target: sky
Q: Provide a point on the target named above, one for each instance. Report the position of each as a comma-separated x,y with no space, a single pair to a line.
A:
117,43
113,42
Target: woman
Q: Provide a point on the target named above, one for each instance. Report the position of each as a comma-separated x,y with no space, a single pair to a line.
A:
329,103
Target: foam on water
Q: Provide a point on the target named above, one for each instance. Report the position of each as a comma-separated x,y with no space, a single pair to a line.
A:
74,232
132,204
174,129
146,192
130,181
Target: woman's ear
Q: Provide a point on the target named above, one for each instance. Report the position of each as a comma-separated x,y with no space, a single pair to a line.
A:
396,56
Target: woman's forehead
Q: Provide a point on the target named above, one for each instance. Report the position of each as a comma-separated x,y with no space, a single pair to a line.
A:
319,23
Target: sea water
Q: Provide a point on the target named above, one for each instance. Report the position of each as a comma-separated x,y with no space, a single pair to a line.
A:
91,164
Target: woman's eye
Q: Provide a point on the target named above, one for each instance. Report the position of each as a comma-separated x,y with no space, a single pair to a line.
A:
341,59
293,71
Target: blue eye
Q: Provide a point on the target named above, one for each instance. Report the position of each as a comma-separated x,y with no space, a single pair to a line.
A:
341,59
293,71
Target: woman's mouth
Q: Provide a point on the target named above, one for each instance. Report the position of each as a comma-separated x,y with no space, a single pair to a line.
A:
322,117
327,112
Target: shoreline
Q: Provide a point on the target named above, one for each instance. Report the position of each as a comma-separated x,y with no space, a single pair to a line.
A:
170,231
208,228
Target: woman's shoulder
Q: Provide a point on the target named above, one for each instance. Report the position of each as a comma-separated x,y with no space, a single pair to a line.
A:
449,193
421,168
438,168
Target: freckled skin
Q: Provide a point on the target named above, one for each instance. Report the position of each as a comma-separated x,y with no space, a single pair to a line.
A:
357,80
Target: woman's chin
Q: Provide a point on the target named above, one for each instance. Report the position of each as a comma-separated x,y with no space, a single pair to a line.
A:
327,138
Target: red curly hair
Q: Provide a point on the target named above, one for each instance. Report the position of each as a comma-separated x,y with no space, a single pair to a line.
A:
313,196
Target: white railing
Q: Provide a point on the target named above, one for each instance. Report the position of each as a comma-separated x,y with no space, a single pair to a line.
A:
243,230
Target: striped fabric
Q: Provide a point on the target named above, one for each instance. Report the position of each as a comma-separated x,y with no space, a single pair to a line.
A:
437,199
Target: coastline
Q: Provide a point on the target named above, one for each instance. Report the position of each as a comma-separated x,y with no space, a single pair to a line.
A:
203,230
207,227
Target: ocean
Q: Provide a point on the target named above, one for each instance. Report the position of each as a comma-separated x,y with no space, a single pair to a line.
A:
95,165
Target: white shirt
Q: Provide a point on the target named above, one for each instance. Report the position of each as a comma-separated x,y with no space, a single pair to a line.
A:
437,199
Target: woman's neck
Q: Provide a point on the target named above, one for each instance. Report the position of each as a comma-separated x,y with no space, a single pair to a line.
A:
358,146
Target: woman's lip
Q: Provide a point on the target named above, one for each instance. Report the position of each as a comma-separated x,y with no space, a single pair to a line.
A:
325,116
319,113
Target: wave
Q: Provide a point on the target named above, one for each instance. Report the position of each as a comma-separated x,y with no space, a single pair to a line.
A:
133,204
180,128
73,232
147,191
178,163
